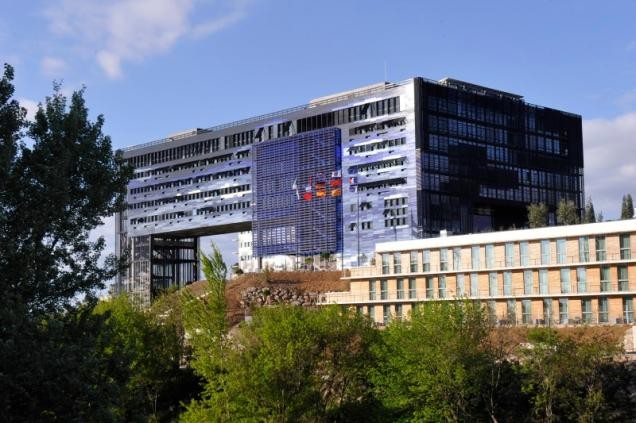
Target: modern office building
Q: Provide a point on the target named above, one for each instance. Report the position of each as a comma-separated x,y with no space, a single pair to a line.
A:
391,161
579,274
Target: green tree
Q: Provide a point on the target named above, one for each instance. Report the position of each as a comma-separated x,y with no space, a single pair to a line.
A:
627,207
152,350
433,367
589,215
537,215
205,320
567,213
563,375
53,191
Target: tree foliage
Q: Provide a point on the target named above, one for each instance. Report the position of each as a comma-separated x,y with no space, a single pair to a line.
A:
433,367
564,376
627,207
589,216
537,215
566,213
58,178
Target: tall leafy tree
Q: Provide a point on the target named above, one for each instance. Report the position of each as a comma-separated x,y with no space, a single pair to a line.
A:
567,213
53,191
433,367
627,207
589,214
564,376
537,215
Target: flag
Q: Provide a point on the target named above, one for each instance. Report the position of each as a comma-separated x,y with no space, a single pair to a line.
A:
336,179
295,188
307,196
321,186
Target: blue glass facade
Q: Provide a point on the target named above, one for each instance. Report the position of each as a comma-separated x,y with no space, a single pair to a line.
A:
298,195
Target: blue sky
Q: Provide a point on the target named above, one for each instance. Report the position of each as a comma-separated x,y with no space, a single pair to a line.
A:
155,67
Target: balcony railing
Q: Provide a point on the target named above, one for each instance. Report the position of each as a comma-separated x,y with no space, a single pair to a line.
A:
422,294
466,266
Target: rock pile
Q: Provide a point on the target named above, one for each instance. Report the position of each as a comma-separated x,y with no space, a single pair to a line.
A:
256,297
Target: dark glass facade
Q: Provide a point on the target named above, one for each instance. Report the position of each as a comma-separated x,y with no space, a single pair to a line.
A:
486,154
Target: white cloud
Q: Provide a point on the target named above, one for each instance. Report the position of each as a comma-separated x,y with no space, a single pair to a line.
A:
53,66
31,107
123,31
610,167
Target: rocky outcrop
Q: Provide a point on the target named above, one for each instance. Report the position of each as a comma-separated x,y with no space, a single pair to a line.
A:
262,296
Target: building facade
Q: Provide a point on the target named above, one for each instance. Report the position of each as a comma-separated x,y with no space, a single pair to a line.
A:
391,161
578,274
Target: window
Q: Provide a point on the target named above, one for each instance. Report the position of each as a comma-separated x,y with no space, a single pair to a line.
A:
460,290
605,279
545,251
563,311
359,309
603,314
400,288
586,310
398,311
527,282
474,285
623,281
474,254
584,249
524,257
490,256
413,256
561,251
507,283
543,281
581,279
509,253
384,292
412,288
628,310
386,314
372,290
624,242
526,311
511,311
441,286
371,312
565,280
385,264
492,284
429,287
492,310
457,258
397,263
547,310
443,259
426,261
601,255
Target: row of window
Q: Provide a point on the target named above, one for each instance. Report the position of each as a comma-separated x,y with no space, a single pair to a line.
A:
564,316
180,214
497,281
190,165
377,126
175,153
351,114
190,181
382,164
515,254
188,197
378,145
